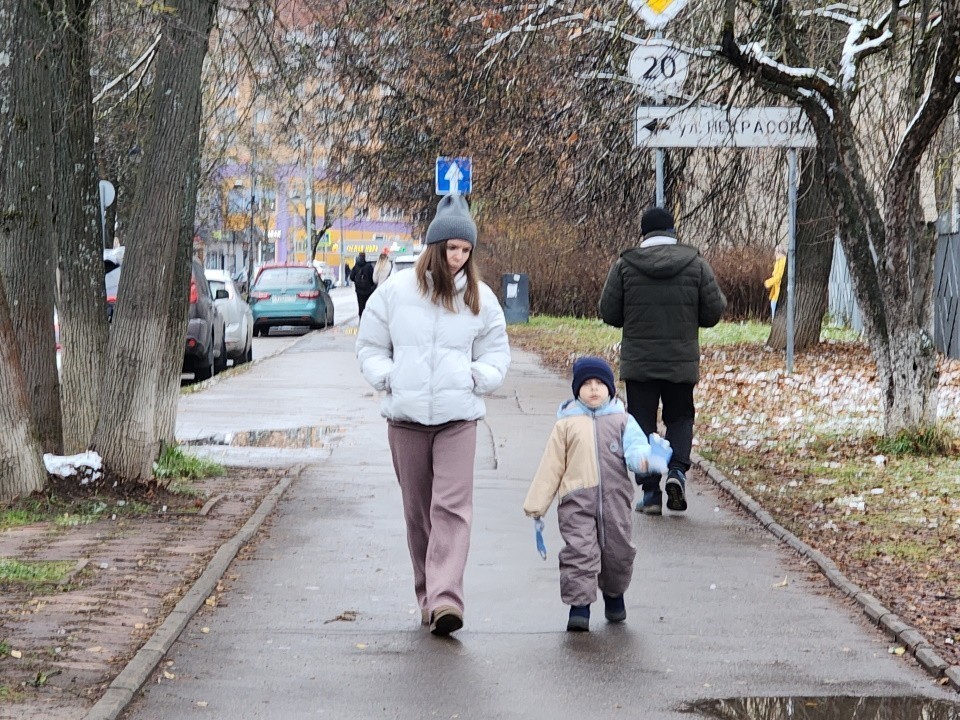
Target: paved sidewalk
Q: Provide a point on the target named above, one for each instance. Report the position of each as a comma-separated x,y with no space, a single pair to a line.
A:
318,616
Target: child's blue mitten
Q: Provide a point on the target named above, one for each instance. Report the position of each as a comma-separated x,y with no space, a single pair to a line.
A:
660,454
538,529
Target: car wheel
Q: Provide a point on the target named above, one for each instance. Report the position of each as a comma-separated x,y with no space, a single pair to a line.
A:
257,332
205,372
221,362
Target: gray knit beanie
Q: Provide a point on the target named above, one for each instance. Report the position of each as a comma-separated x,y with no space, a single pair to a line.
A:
452,222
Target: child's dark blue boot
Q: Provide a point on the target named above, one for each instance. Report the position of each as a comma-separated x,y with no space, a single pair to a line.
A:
579,620
614,608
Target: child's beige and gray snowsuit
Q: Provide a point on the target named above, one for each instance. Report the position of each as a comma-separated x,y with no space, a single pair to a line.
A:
586,464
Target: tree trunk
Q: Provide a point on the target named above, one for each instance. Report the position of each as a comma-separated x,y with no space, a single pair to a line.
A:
128,429
908,373
26,246
816,229
21,466
80,297
168,391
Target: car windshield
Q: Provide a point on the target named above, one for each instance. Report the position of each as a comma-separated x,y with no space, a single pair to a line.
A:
285,277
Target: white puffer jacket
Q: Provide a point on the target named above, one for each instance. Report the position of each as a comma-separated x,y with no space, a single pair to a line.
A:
433,364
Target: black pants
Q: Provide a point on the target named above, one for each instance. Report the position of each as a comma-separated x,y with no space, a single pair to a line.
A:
643,399
362,302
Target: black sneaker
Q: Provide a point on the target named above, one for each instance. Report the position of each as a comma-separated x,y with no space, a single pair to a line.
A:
614,608
579,620
675,488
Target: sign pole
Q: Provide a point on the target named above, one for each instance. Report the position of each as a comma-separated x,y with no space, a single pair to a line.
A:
791,252
659,152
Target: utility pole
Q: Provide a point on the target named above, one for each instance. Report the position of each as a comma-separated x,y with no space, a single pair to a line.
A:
310,202
253,205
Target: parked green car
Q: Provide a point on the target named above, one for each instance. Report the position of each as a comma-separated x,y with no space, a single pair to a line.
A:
289,295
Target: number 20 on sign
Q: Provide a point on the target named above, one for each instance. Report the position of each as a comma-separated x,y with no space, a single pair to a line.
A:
659,66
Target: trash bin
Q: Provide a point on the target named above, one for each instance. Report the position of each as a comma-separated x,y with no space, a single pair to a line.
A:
516,298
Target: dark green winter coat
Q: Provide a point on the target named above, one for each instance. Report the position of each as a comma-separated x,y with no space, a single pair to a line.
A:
661,295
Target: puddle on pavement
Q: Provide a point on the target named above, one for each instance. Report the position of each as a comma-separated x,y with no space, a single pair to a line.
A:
825,708
312,437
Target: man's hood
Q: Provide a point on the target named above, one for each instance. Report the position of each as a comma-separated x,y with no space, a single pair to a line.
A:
660,261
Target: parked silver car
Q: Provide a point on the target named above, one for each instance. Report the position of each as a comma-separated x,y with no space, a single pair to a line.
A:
237,316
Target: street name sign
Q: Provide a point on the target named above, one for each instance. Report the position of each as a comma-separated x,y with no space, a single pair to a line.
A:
454,176
754,127
658,66
657,13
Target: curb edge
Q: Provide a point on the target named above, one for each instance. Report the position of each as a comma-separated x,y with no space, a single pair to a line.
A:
878,614
125,686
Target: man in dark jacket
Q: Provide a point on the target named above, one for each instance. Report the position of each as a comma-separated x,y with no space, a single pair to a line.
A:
362,278
661,293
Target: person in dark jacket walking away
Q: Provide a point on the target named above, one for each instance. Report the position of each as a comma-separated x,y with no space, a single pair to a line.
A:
661,293
362,278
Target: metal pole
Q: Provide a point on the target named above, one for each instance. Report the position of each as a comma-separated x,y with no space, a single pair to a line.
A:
253,202
791,252
659,152
309,201
660,193
103,222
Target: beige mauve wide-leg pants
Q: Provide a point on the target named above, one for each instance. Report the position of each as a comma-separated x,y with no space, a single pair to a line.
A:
435,469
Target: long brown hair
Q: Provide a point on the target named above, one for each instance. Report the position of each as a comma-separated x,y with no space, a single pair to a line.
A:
434,261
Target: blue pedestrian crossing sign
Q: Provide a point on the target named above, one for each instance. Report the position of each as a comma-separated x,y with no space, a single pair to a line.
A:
454,175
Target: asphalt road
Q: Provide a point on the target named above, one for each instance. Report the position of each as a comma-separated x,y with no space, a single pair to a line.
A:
318,619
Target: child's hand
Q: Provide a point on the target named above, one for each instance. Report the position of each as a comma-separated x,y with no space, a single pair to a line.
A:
660,454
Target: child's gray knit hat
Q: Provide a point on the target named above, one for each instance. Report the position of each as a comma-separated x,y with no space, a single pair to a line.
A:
452,222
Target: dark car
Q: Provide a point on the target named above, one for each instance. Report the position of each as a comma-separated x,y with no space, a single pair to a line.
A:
205,352
289,295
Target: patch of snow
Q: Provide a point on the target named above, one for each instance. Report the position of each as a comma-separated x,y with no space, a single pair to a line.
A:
88,465
756,51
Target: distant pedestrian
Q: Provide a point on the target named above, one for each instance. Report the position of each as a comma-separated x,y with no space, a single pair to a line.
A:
773,282
661,293
346,275
362,277
383,269
435,341
593,444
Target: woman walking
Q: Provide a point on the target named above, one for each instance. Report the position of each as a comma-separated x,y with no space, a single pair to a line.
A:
435,341
383,269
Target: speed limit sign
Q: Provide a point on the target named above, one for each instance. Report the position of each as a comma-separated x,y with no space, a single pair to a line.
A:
659,66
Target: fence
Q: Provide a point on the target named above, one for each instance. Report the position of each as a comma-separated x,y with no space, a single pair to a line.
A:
946,294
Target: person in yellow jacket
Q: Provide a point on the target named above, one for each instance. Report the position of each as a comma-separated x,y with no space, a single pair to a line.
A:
773,282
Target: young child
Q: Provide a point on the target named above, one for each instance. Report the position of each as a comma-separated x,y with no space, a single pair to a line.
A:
593,444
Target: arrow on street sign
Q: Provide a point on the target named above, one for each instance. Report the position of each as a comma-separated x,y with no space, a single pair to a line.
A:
689,127
454,176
